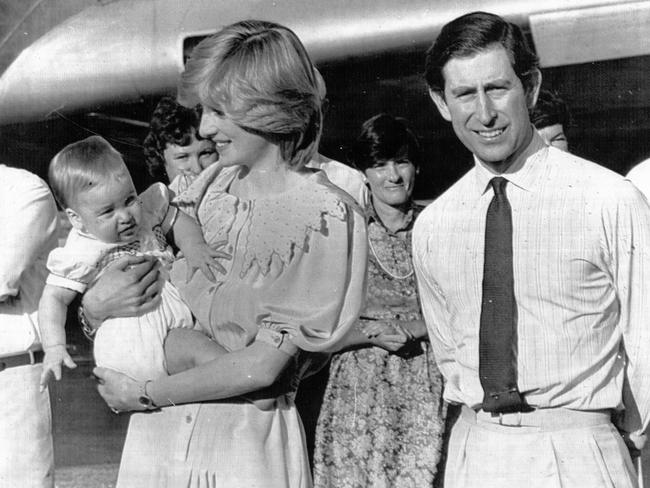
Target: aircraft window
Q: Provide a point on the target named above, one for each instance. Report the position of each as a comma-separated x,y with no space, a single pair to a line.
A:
190,42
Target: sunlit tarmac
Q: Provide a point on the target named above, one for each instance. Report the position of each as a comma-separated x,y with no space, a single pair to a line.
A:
88,438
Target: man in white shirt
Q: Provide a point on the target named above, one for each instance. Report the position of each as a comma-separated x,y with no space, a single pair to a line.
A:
639,175
28,222
566,245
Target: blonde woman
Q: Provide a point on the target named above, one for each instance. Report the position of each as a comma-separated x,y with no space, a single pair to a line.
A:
293,287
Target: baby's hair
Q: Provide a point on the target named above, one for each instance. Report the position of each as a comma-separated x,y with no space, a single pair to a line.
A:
81,166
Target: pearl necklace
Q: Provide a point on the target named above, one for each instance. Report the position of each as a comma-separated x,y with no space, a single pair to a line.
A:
386,270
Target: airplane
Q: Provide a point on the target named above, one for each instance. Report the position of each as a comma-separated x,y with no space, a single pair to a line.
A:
75,67
80,66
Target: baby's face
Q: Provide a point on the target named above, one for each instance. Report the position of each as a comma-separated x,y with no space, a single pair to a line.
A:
111,211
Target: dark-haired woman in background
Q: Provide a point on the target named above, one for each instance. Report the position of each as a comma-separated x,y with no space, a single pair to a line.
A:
381,421
174,151
551,117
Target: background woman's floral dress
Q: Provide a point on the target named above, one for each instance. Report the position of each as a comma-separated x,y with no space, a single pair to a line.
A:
382,417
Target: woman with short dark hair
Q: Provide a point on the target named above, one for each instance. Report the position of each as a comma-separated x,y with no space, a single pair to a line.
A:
381,421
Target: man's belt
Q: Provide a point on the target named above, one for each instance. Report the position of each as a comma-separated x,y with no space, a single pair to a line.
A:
542,420
31,357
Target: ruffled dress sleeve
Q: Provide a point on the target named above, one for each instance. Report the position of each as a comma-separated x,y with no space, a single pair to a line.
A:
156,208
75,265
189,200
319,293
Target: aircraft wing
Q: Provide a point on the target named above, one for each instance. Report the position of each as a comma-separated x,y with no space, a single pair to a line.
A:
117,51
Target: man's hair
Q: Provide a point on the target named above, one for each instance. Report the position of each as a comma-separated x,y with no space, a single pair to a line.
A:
384,137
81,166
473,33
260,76
171,123
550,109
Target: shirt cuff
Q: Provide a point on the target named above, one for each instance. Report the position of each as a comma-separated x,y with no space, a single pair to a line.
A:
62,282
277,339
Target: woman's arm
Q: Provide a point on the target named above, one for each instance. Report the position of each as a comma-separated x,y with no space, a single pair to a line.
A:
236,373
391,335
387,334
354,338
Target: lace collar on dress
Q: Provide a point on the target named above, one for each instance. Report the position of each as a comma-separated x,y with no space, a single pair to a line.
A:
282,224
277,225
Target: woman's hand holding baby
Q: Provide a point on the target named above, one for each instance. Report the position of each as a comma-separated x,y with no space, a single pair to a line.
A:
129,286
120,392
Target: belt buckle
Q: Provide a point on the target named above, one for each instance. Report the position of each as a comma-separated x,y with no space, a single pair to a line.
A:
510,419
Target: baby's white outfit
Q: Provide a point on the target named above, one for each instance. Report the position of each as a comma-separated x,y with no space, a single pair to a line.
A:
130,345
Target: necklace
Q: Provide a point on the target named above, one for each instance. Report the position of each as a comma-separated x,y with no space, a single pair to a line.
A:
386,270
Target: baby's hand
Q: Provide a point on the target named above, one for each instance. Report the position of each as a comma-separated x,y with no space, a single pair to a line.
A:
54,357
201,256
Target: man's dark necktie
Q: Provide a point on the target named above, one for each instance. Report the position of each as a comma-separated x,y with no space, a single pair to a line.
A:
498,333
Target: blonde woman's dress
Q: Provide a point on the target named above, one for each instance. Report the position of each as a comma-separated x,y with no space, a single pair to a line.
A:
297,274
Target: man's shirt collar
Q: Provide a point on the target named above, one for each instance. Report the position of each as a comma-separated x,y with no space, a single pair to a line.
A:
522,173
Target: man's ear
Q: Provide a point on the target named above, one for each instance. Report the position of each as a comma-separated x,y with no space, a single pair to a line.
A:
439,99
533,90
75,219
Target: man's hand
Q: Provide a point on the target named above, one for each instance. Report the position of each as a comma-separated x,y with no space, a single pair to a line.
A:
54,357
129,286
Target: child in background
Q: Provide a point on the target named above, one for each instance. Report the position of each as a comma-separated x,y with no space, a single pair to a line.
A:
174,151
93,185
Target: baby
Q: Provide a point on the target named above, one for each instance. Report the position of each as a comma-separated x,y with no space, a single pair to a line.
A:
91,182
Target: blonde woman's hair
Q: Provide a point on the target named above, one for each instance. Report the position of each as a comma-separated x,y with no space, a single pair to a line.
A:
82,165
260,76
